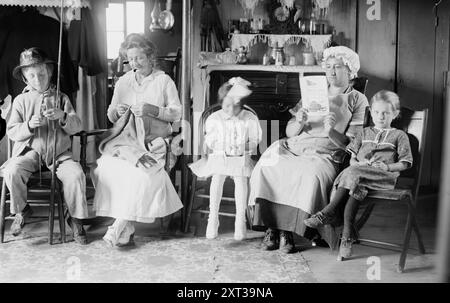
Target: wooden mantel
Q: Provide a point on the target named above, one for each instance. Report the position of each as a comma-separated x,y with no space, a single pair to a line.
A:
300,69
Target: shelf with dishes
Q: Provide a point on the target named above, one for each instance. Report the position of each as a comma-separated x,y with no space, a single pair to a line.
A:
294,49
299,69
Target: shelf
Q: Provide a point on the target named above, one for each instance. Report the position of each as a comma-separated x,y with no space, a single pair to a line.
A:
317,42
301,69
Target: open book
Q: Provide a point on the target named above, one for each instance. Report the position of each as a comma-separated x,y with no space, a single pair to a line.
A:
314,91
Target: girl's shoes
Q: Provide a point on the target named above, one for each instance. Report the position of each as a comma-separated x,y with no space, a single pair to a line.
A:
129,241
317,220
110,237
345,249
125,238
240,230
212,229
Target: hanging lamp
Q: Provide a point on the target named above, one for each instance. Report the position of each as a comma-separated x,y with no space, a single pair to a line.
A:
155,16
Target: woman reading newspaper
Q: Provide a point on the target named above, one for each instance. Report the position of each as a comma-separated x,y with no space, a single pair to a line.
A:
293,178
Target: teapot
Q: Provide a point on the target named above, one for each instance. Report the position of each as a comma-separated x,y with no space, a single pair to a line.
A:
227,57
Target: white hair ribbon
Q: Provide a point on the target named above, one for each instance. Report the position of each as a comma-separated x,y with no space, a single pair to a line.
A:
239,89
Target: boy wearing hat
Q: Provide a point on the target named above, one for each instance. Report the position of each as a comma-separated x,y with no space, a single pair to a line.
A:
34,119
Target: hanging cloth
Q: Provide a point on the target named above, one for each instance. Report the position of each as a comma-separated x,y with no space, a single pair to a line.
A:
211,29
85,53
84,45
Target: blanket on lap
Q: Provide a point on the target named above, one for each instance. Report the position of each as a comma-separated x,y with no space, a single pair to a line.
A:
126,140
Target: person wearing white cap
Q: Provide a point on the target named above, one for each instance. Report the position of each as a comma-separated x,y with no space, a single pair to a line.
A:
294,175
232,134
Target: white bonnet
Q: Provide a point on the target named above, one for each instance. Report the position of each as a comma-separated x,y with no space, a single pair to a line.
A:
348,56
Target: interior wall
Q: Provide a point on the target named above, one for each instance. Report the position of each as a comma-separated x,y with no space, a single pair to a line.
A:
342,16
416,68
378,63
440,98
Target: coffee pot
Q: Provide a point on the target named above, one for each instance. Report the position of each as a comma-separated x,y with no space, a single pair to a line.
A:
279,56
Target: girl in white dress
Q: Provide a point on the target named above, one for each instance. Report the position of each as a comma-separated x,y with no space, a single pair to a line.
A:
232,134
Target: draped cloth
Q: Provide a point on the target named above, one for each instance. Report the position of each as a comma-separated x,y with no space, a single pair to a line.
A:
126,140
84,48
84,44
125,191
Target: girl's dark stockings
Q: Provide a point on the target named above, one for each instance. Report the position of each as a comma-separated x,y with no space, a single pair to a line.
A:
351,207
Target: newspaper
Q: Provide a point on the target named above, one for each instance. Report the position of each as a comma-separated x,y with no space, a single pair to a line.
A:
314,91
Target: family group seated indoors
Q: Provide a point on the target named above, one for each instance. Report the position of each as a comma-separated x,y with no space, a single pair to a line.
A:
295,187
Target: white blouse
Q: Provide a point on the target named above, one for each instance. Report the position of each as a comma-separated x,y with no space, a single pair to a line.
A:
232,135
157,89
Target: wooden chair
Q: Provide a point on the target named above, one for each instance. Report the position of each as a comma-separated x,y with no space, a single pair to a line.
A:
171,65
194,191
39,184
360,84
414,123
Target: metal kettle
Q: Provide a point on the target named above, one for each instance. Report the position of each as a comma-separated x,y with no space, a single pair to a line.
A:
278,55
275,51
242,56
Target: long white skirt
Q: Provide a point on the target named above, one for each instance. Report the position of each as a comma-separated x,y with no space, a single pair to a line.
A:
124,191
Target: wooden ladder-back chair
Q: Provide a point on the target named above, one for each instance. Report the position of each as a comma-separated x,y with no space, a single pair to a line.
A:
204,208
38,188
171,65
414,123
360,84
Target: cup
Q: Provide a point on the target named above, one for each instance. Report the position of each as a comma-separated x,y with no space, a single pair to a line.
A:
308,59
292,60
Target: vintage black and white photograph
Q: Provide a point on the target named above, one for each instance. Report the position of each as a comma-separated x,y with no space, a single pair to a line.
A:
252,142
